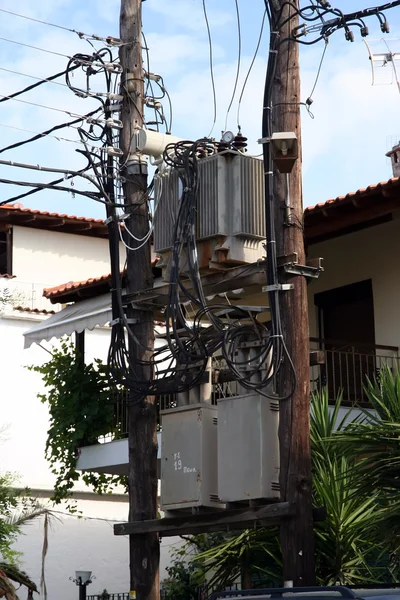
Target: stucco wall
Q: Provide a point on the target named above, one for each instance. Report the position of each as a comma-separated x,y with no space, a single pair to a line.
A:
372,253
25,417
52,257
86,543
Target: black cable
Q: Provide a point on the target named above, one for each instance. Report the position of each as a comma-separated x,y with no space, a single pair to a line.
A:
238,61
35,85
44,186
211,66
48,131
251,67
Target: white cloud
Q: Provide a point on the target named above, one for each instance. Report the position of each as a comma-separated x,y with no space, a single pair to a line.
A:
189,14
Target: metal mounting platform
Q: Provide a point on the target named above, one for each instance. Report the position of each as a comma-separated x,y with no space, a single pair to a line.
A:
225,520
290,265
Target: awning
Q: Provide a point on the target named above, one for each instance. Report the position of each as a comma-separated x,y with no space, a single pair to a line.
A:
82,315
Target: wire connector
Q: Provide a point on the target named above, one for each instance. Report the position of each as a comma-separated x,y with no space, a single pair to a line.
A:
112,151
278,287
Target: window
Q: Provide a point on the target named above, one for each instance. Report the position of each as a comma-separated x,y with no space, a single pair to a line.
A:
347,334
6,252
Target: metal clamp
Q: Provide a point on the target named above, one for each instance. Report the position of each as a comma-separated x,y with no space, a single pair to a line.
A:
278,287
289,264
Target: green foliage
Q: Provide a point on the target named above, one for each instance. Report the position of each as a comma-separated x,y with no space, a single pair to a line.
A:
78,398
9,501
375,440
348,542
254,553
352,545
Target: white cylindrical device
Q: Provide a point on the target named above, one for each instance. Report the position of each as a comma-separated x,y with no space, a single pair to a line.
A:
153,143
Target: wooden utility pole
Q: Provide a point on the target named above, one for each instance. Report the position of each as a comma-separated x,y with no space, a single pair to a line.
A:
294,431
144,550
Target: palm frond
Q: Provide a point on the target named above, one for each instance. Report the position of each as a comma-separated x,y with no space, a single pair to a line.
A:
15,574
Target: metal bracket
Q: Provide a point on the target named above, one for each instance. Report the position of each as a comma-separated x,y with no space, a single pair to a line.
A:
289,263
282,287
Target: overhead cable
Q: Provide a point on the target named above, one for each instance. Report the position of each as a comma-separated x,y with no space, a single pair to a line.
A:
34,85
108,40
250,67
48,131
211,66
238,62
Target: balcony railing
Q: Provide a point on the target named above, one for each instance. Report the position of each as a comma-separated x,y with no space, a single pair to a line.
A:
348,367
24,294
119,397
108,596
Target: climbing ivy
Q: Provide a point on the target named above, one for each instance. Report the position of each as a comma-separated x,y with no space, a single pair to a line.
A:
78,398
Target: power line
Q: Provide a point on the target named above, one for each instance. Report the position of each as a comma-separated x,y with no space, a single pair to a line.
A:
211,66
48,80
48,131
34,191
66,112
80,61
109,40
35,85
44,186
251,67
238,62
34,47
55,137
66,172
309,99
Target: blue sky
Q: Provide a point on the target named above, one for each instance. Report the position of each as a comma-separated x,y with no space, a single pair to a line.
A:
343,146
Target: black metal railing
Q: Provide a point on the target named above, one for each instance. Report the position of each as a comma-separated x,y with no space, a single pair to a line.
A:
109,596
119,398
348,367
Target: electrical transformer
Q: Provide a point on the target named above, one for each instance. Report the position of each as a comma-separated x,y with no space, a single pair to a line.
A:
189,458
230,210
248,448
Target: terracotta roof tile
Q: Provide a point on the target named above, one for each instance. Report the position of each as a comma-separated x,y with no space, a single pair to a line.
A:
72,286
20,208
360,192
36,311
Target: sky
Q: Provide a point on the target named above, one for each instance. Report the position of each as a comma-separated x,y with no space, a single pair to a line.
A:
355,123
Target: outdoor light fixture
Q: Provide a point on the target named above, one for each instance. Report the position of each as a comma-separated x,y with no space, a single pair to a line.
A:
82,580
284,150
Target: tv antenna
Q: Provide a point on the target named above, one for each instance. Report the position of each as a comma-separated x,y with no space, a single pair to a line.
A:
385,61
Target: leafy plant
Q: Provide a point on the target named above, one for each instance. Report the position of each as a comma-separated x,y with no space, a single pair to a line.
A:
350,545
16,509
78,398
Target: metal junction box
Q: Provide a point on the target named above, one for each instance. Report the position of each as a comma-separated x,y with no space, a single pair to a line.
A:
248,448
189,458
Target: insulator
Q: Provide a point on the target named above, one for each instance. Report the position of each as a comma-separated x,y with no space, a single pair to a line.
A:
240,142
222,146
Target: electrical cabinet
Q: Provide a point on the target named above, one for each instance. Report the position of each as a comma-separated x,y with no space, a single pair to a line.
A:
248,448
189,458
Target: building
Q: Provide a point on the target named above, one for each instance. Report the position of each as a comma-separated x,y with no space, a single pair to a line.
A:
37,250
352,305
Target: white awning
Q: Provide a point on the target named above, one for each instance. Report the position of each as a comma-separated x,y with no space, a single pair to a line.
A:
82,315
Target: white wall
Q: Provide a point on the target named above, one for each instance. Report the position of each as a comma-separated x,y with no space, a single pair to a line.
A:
53,258
87,543
21,411
372,253
83,544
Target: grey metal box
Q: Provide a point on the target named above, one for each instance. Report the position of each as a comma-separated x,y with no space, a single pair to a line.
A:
248,448
189,457
230,200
